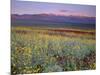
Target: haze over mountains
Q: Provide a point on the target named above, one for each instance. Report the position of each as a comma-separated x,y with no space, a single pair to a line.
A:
53,20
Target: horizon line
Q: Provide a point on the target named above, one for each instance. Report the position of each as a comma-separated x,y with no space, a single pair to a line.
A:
53,15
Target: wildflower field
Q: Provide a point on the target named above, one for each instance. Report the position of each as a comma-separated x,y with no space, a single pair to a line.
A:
40,50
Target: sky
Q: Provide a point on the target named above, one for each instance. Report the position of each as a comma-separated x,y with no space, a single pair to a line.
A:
28,7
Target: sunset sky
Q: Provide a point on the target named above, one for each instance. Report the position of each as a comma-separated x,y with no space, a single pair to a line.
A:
27,7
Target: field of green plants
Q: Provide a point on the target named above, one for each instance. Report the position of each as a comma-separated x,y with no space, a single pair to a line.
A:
38,50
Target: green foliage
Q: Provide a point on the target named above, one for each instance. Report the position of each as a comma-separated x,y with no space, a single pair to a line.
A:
32,51
53,68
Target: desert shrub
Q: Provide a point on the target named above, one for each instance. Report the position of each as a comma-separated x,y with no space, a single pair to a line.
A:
32,51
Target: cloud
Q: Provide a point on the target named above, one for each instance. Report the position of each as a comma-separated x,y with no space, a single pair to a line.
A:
71,12
64,10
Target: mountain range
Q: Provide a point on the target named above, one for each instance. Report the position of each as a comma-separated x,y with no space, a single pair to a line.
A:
52,20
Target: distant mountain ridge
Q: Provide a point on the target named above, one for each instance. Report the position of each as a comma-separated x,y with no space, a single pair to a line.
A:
51,14
51,19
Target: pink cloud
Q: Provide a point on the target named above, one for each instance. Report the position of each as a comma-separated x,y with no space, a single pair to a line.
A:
64,11
70,12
